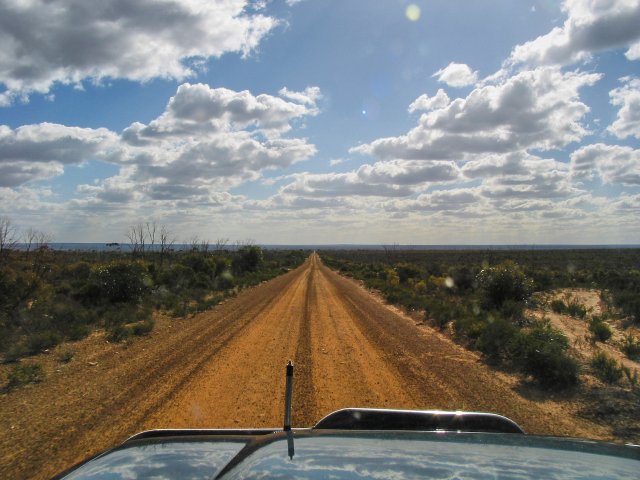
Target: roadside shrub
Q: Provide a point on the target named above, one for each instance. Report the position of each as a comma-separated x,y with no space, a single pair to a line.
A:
606,368
24,374
440,312
576,310
66,356
72,320
558,306
142,328
600,330
497,338
249,259
542,353
406,271
121,281
631,347
503,282
40,341
119,333
632,377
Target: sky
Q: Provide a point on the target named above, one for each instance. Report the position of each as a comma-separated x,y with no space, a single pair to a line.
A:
323,121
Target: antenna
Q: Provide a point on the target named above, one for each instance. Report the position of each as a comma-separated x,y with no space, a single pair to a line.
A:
287,397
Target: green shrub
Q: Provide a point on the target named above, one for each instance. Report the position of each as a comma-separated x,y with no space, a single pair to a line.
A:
119,333
600,330
439,312
542,353
497,339
24,374
143,328
503,282
248,259
576,310
42,340
121,281
631,347
632,377
606,368
558,306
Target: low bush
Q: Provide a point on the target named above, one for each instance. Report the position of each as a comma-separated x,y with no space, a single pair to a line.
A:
631,347
599,329
558,306
576,310
542,353
24,374
65,356
143,328
43,340
632,376
496,340
606,368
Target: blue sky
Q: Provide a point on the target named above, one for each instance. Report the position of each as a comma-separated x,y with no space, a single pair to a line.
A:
427,122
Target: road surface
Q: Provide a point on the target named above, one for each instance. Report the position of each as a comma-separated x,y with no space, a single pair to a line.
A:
225,368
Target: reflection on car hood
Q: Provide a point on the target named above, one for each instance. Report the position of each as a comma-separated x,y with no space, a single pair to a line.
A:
339,454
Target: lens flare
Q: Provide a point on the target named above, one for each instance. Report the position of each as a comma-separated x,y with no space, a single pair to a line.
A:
413,12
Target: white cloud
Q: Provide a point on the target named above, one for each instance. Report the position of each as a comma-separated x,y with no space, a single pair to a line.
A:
69,41
591,26
457,75
627,97
440,200
614,164
309,96
425,102
533,109
36,152
634,52
206,140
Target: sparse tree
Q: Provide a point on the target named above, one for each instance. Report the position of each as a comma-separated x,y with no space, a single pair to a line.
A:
167,239
137,236
8,236
151,230
35,240
221,244
194,243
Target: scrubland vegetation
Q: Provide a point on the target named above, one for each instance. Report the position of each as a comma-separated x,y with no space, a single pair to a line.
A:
47,296
482,298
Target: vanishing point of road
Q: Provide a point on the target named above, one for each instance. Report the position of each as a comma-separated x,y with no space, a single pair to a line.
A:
225,368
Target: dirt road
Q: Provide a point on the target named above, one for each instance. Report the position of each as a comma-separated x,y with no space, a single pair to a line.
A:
225,368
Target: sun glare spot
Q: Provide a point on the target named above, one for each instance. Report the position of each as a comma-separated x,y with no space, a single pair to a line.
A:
364,112
413,12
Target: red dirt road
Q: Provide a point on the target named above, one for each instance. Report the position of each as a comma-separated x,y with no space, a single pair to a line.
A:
225,368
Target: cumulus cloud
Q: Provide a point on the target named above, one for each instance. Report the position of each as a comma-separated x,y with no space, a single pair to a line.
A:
534,109
206,140
219,137
614,164
627,97
69,41
199,110
591,26
425,102
395,178
456,75
36,152
634,52
449,200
